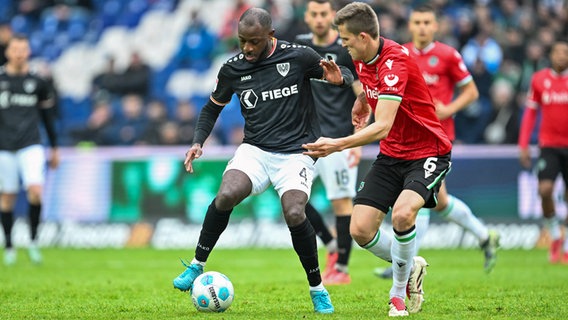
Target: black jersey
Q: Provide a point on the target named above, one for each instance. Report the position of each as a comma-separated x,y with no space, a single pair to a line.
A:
21,96
333,104
275,96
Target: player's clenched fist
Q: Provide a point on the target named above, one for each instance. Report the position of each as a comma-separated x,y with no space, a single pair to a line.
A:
193,153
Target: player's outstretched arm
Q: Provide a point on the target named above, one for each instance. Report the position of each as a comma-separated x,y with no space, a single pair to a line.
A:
205,123
361,112
193,153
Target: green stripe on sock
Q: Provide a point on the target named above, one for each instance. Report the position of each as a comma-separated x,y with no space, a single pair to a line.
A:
406,238
374,241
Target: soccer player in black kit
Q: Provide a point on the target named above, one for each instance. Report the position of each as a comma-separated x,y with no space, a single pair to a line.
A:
25,99
272,80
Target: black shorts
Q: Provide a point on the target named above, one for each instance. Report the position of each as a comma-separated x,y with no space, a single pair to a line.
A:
388,177
551,162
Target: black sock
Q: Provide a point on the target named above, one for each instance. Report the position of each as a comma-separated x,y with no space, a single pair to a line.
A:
344,240
34,213
318,224
304,242
7,223
214,224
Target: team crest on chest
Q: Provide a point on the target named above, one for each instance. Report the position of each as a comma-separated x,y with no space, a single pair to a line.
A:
29,85
433,61
283,68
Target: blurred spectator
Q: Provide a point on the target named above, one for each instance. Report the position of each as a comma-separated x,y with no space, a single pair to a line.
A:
483,48
296,23
129,126
230,21
504,126
157,116
534,59
98,129
169,134
196,50
186,119
136,78
106,83
471,122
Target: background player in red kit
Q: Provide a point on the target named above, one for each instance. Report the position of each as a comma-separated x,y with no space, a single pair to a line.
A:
549,94
443,69
414,150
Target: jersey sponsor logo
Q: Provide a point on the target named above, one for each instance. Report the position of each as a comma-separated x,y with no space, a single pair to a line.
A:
245,78
389,64
283,68
430,79
248,99
555,97
8,99
391,79
279,93
371,93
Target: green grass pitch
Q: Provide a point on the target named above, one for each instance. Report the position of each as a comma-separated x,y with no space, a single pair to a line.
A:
270,284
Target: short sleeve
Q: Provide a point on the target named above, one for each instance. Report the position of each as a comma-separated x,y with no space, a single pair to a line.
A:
458,72
393,77
223,91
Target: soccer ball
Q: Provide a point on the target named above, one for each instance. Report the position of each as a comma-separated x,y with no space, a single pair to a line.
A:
212,292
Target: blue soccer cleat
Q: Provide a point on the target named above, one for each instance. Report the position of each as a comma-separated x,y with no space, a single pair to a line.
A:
321,301
184,281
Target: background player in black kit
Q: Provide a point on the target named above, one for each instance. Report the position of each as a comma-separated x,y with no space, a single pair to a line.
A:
338,171
272,80
25,98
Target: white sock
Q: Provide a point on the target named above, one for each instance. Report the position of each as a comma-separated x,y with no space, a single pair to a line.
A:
553,227
422,223
403,250
195,261
331,246
380,246
458,212
319,287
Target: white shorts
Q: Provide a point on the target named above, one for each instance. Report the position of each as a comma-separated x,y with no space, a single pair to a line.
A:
29,162
338,179
284,171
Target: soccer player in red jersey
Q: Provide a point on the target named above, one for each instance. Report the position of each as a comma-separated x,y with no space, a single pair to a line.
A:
414,151
443,70
549,94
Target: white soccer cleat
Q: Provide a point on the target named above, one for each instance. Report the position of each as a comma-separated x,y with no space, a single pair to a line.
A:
397,308
414,290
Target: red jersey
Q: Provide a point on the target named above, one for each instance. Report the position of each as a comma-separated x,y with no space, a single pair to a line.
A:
443,69
392,75
549,93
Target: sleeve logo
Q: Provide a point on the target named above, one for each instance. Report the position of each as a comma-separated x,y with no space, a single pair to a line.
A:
391,79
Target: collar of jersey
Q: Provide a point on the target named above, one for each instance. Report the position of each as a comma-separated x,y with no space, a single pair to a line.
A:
274,41
554,73
381,44
426,49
